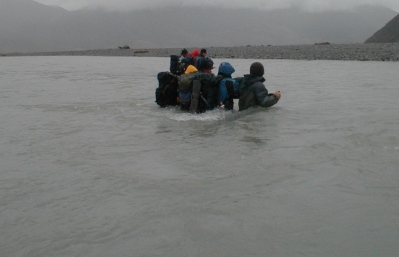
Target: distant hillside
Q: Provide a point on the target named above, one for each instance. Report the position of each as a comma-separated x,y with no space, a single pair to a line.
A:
27,26
387,34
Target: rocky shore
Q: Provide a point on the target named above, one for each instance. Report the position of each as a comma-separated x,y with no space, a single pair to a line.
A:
346,52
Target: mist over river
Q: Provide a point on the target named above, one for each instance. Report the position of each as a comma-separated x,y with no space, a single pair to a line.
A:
91,166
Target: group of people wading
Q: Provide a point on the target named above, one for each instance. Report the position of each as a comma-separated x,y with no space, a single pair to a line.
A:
191,85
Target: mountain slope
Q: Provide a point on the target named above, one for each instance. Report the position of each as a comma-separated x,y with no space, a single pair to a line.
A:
29,26
387,34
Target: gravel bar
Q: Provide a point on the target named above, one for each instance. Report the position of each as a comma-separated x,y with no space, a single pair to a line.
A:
344,52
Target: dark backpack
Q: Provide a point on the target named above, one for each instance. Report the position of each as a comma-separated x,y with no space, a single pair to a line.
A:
204,94
204,63
208,91
166,93
185,90
207,63
175,66
188,60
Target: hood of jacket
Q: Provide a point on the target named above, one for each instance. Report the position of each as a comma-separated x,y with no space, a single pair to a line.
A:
226,69
190,69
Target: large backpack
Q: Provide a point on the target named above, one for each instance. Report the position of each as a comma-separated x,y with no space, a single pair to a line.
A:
204,63
207,63
185,90
166,93
188,60
176,67
208,91
199,87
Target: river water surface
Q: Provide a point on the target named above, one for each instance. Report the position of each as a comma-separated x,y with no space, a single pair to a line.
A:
91,166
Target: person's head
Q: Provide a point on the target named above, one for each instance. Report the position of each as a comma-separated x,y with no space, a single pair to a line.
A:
203,51
184,52
257,69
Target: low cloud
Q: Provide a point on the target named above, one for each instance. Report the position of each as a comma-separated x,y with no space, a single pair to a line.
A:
308,5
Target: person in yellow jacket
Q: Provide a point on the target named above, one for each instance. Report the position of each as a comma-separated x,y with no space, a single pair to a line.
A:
186,87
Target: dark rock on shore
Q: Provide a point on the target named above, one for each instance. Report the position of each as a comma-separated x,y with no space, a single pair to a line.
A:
346,52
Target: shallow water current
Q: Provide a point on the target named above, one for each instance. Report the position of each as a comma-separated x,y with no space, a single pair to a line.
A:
91,166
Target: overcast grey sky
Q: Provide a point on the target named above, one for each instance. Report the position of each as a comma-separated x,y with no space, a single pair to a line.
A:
310,5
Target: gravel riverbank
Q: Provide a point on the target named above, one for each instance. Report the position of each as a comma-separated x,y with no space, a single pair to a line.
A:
349,52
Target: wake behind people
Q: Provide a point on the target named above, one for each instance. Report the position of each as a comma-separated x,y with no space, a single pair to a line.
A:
191,86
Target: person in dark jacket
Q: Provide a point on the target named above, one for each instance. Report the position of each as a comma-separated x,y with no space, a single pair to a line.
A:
252,90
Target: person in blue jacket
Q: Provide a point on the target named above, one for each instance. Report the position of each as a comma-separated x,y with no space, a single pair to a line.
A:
227,88
252,90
